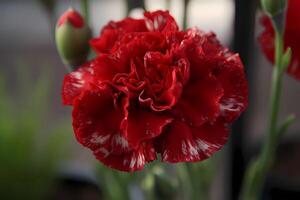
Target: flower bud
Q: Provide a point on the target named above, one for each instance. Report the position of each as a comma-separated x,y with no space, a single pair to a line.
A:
72,37
273,7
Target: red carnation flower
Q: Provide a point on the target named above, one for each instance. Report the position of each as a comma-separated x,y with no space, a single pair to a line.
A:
291,37
153,89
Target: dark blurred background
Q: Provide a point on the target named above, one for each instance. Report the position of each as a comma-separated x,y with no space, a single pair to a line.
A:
37,147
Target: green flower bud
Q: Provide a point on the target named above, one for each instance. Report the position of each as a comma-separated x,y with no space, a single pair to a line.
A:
273,7
72,37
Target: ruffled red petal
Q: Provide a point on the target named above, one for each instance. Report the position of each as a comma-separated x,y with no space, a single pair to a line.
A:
107,67
293,15
266,38
114,31
143,125
129,162
183,143
167,98
106,42
134,45
200,101
160,21
201,50
232,77
291,37
97,119
76,82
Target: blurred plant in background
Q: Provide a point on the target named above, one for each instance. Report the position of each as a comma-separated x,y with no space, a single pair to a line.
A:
49,6
115,185
30,147
159,181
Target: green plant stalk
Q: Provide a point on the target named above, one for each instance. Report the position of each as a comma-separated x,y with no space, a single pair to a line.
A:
148,183
85,10
132,4
185,177
185,14
269,149
168,5
257,170
197,192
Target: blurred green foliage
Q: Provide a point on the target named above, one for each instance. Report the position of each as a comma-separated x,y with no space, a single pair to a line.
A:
160,181
114,184
49,5
196,178
30,146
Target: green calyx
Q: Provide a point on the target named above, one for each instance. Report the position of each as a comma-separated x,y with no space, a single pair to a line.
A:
273,7
72,43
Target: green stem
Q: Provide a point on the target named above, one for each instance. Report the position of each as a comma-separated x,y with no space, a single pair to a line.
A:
85,10
196,183
257,170
132,4
185,180
185,13
168,4
148,185
269,148
285,125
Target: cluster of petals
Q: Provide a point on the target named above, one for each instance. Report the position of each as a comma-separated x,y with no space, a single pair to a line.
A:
291,37
155,91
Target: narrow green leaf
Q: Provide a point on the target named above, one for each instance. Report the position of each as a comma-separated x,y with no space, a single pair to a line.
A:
285,125
286,59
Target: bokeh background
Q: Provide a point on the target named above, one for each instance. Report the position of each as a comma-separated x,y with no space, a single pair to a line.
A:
39,157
